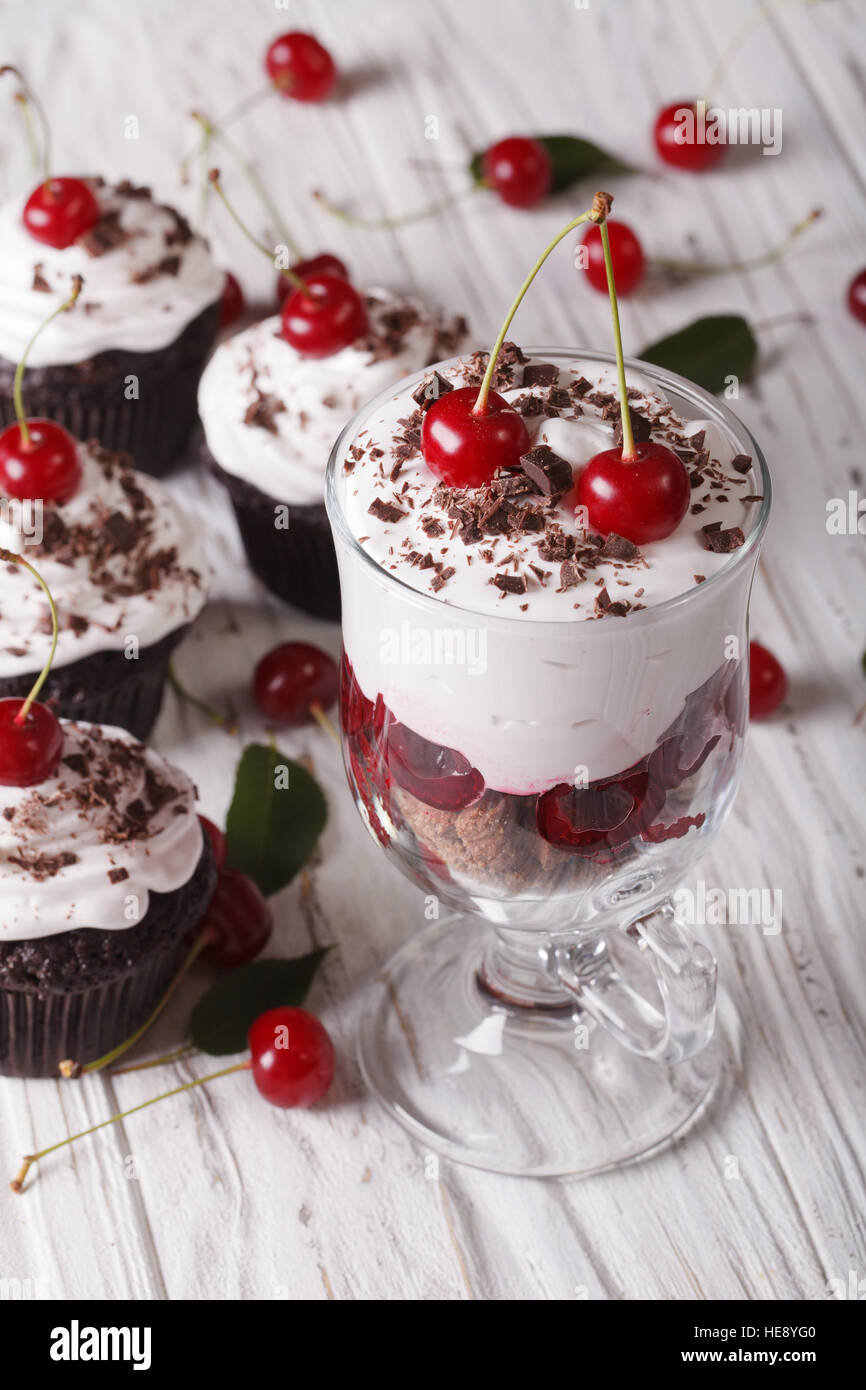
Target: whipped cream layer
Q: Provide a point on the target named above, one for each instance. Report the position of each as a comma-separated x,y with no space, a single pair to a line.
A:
122,560
88,846
584,680
146,276
271,415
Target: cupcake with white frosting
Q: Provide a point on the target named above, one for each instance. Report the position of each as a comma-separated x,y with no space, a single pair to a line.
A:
271,416
104,871
129,573
125,367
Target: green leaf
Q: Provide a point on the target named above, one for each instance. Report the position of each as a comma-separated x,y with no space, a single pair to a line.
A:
222,1019
708,351
572,158
277,814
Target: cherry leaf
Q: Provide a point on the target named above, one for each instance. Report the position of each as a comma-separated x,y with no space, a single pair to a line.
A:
222,1019
708,351
277,814
573,159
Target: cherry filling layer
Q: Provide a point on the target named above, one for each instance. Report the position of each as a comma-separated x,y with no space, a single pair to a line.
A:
596,822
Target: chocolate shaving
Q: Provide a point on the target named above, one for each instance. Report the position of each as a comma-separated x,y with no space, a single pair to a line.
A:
430,390
550,473
722,542
510,583
39,281
385,511
741,463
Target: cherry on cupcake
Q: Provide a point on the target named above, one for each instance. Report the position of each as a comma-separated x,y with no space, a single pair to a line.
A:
300,67
768,684
322,314
639,490
293,1059
675,135
59,211
295,682
39,459
519,169
232,303
31,737
238,921
323,264
629,262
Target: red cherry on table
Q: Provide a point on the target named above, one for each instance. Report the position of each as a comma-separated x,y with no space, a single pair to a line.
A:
857,296
465,449
626,253
291,679
768,684
240,918
218,841
44,469
232,304
325,317
644,499
323,264
293,1058
31,750
519,170
674,135
300,67
59,211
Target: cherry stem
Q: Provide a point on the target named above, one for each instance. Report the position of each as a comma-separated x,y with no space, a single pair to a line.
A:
389,223
211,131
221,720
753,263
594,214
628,449
29,103
175,1056
739,37
9,557
17,1183
290,275
325,722
71,1069
17,396
30,128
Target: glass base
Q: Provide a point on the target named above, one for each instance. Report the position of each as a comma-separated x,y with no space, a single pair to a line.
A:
534,1091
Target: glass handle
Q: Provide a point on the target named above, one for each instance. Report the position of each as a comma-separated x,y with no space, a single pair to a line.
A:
667,1028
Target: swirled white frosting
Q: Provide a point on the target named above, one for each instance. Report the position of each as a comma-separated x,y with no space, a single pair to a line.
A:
270,415
122,559
73,855
138,295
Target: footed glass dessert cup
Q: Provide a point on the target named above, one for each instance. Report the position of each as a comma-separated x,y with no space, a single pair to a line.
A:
548,785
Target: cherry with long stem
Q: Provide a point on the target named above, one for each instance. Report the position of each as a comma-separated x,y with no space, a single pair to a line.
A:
38,458
323,314
469,436
31,739
640,490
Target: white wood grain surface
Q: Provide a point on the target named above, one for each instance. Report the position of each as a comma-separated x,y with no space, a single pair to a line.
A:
232,1199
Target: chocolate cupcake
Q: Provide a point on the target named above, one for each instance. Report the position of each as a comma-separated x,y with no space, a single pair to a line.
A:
128,571
270,418
104,874
124,367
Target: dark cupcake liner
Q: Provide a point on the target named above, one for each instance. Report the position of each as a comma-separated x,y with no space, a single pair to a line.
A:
76,995
106,688
298,564
88,398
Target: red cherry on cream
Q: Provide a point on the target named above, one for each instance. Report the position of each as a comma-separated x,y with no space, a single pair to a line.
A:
466,449
643,499
59,211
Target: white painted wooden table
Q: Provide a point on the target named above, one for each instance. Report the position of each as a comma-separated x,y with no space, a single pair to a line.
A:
231,1199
